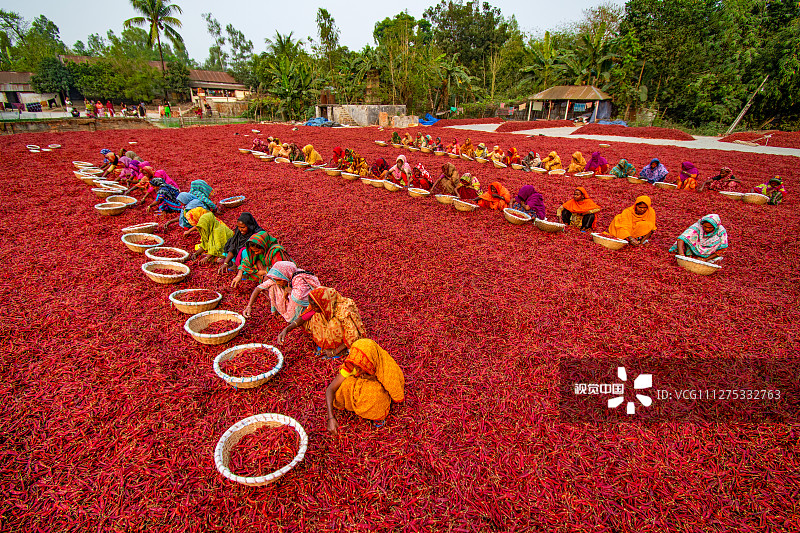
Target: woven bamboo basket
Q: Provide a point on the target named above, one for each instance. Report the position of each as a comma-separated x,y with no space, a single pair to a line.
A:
461,205
605,146
465,157
53,146
129,201
397,145
80,175
195,325
91,170
636,181
583,174
698,266
244,151
516,166
498,164
389,186
438,152
246,382
332,171
222,453
181,271
755,198
349,176
425,150
193,308
131,240
445,198
266,158
539,170
418,193
378,184
481,160
413,148
731,195
609,242
366,181
35,151
516,217
46,150
257,154
605,177
557,172
32,146
144,227
381,143
110,208
153,254
549,227
233,201
282,160
101,182
301,164
453,156
133,142
664,185
82,164
103,192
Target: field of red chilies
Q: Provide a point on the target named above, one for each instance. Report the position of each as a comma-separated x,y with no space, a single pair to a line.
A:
110,412
519,125
785,139
630,131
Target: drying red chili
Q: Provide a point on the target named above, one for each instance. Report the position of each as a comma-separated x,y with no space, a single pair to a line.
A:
630,131
264,451
197,296
250,362
220,326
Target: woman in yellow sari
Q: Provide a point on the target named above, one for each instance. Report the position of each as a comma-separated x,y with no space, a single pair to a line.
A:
332,320
578,163
214,234
552,161
467,148
368,382
312,156
636,223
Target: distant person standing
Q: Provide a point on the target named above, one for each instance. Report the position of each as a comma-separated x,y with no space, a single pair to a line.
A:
89,108
142,110
68,105
99,107
167,110
110,107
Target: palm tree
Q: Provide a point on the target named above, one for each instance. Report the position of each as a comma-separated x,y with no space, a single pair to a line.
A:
159,15
452,72
284,46
546,65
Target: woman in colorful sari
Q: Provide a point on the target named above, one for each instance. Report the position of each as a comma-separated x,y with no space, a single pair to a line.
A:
530,201
453,147
260,146
421,178
623,169
468,187
287,288
214,234
428,142
112,162
724,181
437,145
511,157
379,169
396,138
295,154
532,160
578,163
687,179
420,140
261,253
655,172
166,198
496,154
579,211
552,161
407,140
368,382
481,152
706,239
467,149
275,147
356,164
636,223
597,164
400,173
774,189
311,156
246,227
448,180
188,202
202,191
497,197
337,161
333,321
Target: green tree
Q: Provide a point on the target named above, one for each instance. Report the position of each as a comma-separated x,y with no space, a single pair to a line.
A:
328,36
177,79
159,16
217,57
241,55
51,77
545,66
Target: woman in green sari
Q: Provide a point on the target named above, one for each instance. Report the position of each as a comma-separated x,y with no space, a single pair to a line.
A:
260,253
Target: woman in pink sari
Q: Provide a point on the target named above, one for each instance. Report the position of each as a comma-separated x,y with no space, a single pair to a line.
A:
287,288
400,173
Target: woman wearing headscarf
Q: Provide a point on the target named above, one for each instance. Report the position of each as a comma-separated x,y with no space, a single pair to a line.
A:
246,227
295,154
261,253
531,160
706,239
260,146
355,163
166,198
214,234
400,173
496,197
287,288
481,152
408,140
437,145
724,181
332,320
774,189
579,211
428,142
687,179
511,157
623,169
311,156
337,161
636,223
597,164
396,138
578,163
275,147
112,162
369,381
530,201
448,180
453,147
188,202
202,191
552,161
421,178
420,140
379,169
467,148
655,172
468,187
496,154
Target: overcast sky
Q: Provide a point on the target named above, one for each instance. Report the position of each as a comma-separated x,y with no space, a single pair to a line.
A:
355,18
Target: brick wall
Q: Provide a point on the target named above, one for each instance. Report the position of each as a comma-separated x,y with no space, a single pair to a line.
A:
74,124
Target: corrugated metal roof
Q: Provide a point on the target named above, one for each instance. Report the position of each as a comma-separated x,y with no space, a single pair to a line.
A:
19,78
571,92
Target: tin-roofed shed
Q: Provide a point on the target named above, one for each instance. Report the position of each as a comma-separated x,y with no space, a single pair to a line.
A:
569,101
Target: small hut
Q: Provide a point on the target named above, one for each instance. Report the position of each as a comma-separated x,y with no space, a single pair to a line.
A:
569,101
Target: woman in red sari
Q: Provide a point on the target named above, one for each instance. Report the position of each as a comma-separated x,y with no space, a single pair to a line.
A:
497,197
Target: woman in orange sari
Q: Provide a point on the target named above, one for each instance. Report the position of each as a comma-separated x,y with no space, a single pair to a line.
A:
636,223
497,197
467,149
332,320
369,381
511,157
579,211
578,163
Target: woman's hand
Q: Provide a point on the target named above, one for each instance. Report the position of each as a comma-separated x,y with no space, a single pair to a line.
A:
333,425
247,312
282,336
206,258
235,281
223,267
